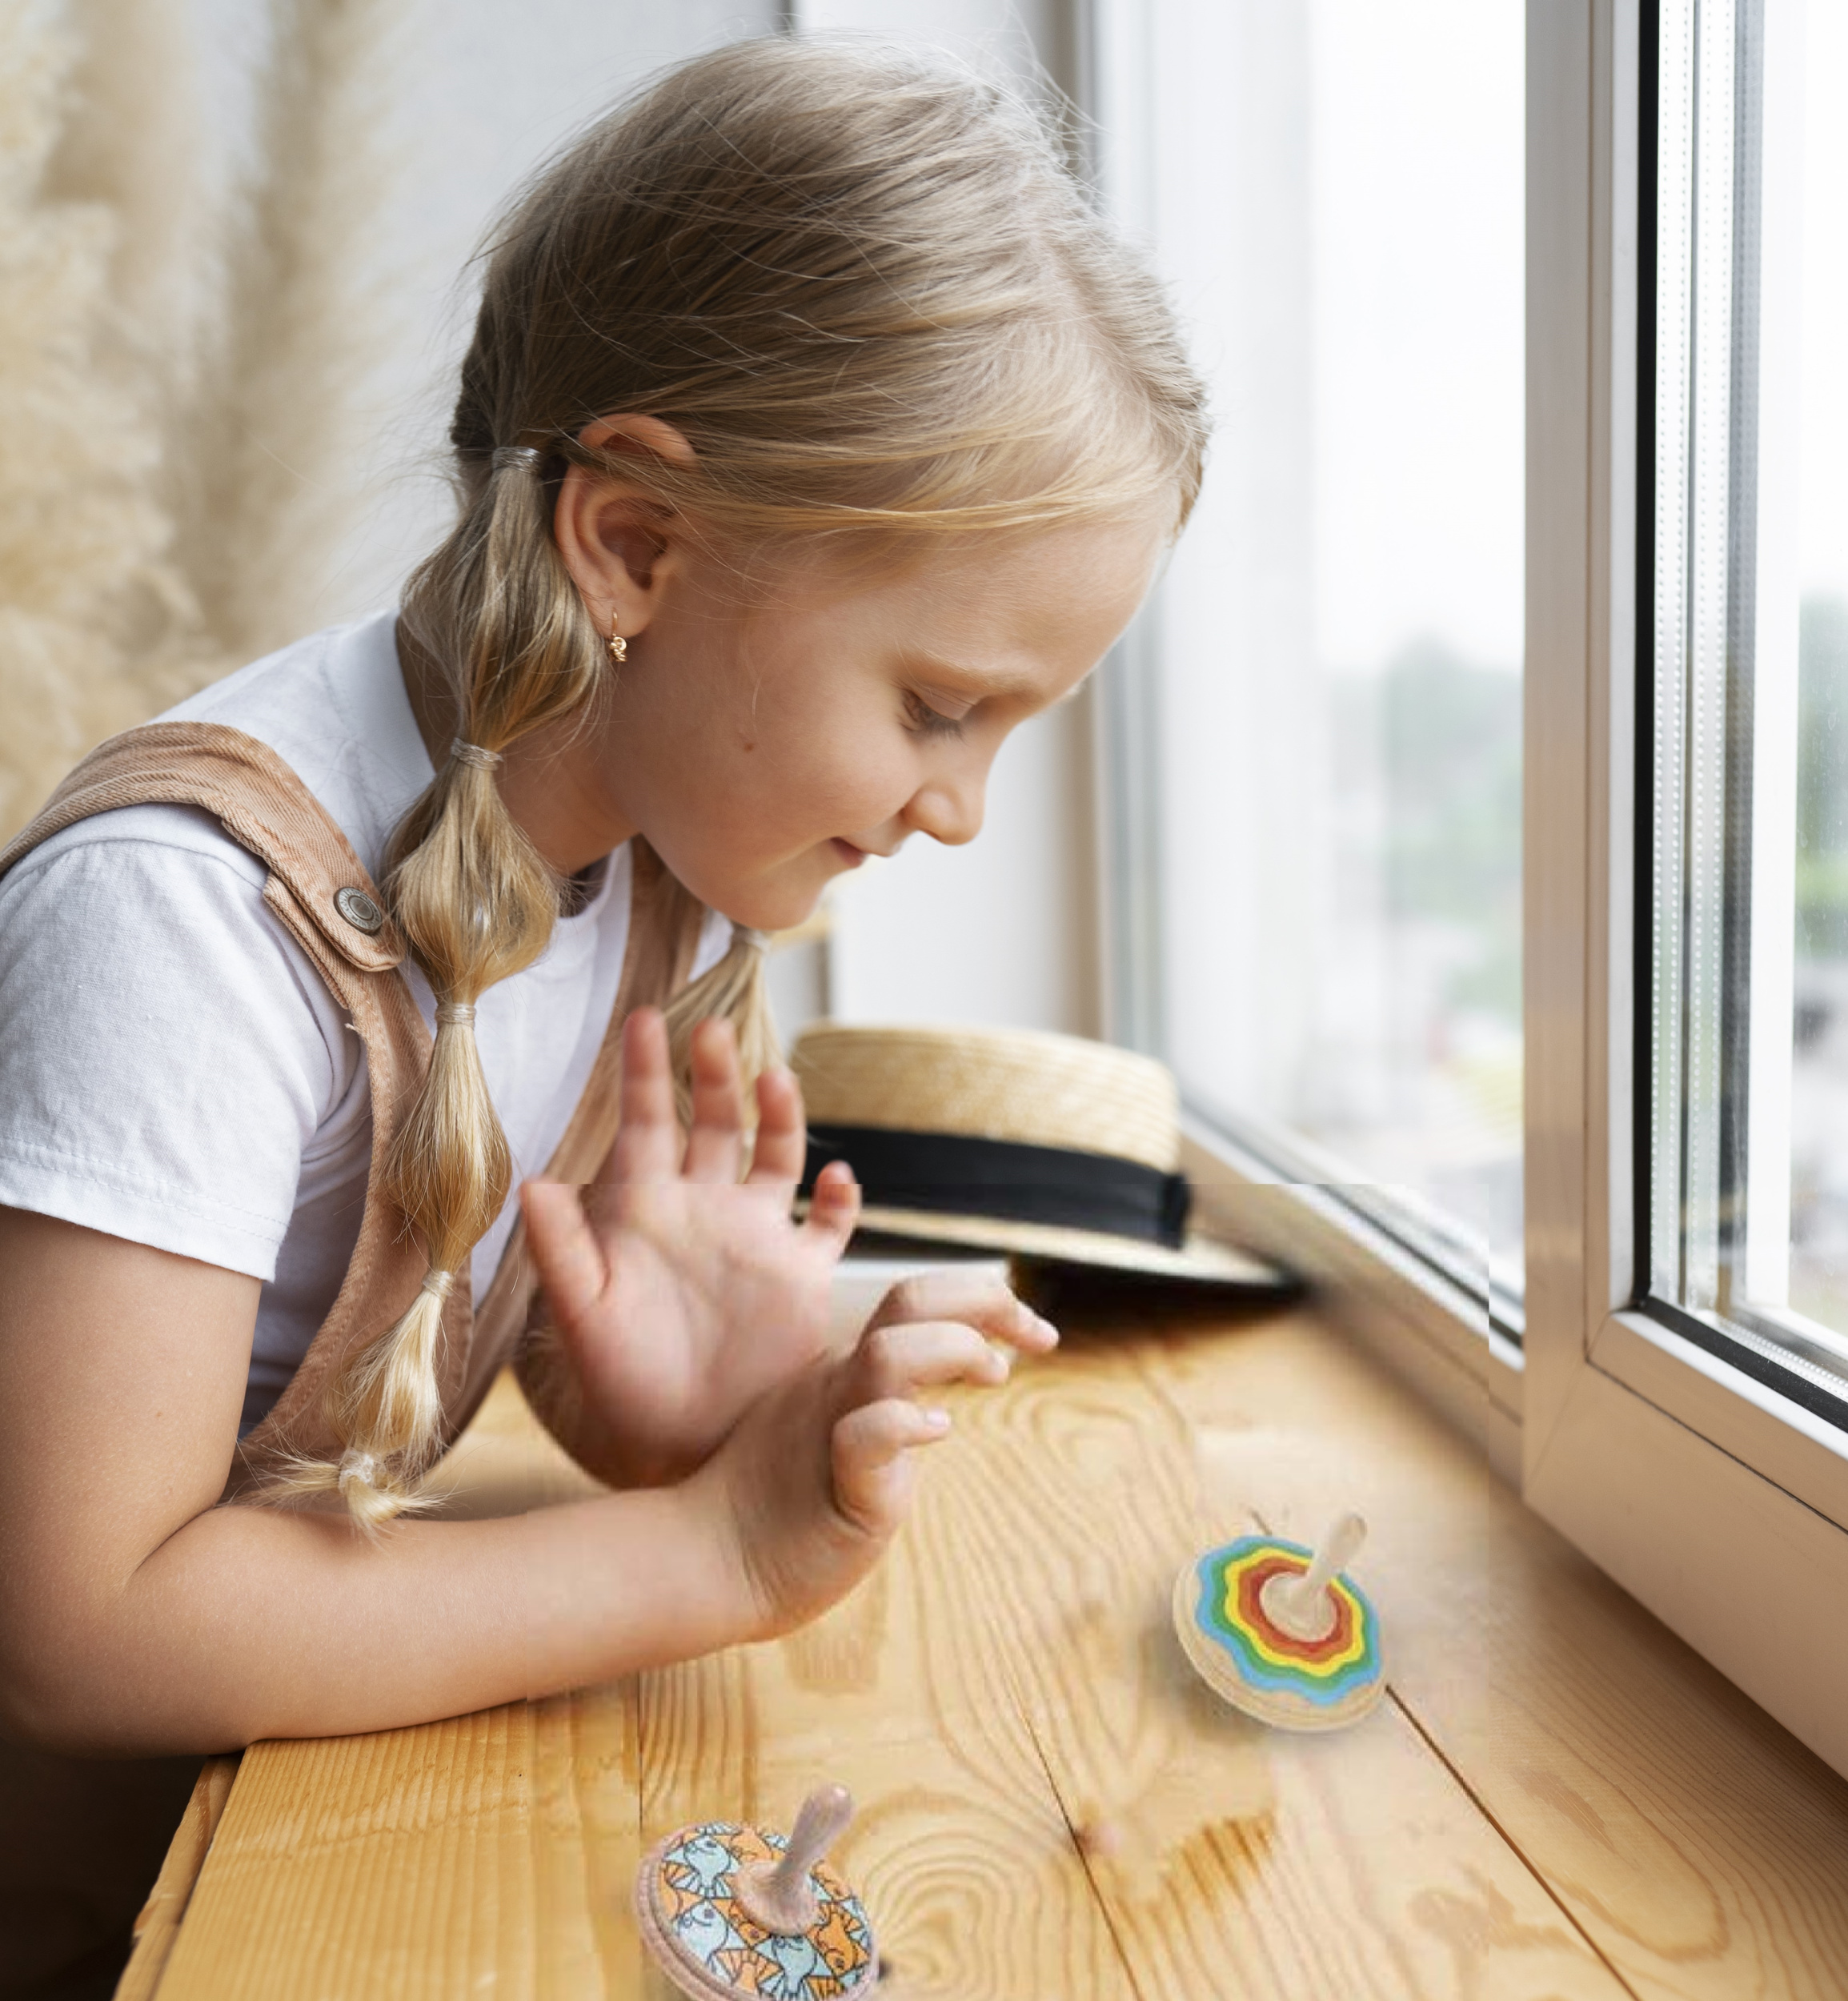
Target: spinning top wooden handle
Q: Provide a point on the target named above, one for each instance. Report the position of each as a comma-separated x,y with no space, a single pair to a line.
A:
779,1899
1300,1606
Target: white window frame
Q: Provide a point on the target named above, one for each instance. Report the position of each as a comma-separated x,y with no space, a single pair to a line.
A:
1720,1504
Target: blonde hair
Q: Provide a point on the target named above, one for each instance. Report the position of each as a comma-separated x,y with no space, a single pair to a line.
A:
861,284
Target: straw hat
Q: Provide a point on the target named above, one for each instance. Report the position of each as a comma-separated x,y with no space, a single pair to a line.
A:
1010,1139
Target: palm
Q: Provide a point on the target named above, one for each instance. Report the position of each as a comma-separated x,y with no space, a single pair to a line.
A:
680,1293
712,1295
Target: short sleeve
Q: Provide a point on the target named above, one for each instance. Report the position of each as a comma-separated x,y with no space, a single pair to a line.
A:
716,932
167,1051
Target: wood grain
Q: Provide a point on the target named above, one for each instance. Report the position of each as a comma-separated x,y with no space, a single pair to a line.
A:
1557,1801
959,1847
456,1858
157,1926
1229,1860
1699,1846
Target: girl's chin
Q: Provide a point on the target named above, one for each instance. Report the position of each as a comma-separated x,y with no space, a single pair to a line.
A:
778,905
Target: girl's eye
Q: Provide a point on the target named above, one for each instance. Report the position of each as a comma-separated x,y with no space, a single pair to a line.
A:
924,720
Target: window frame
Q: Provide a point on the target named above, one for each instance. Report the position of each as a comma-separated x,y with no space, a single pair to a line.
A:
1664,1462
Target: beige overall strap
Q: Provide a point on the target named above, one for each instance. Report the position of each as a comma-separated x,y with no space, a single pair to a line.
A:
266,808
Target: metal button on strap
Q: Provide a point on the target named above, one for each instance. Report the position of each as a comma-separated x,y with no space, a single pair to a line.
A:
359,910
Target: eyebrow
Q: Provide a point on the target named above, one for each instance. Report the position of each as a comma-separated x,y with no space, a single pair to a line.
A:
989,686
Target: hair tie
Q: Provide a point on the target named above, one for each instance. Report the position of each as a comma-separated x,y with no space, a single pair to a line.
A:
506,458
439,1283
757,941
482,761
357,1466
455,1014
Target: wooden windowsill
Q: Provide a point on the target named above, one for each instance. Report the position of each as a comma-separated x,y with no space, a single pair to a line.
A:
1559,1799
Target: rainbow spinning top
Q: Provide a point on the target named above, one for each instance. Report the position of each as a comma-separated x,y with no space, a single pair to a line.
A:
1279,1632
729,1910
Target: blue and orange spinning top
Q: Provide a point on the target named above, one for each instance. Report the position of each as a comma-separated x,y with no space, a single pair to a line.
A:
1281,1632
728,1909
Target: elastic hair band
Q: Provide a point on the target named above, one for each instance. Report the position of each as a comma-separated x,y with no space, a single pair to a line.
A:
507,458
357,1466
757,941
455,1014
438,1283
482,761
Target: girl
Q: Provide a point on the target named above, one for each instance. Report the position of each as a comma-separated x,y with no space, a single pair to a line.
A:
814,433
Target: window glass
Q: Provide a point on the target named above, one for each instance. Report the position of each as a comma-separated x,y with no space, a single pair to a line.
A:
1332,683
1818,1277
1745,702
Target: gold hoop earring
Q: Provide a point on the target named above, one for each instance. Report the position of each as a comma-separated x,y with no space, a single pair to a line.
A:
619,645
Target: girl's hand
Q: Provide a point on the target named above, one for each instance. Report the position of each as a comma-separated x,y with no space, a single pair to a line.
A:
818,1475
679,1292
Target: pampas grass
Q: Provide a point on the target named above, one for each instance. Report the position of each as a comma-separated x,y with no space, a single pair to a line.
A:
131,140
177,461
88,593
269,464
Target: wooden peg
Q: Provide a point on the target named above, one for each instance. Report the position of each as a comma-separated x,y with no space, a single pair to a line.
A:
1302,1606
781,1897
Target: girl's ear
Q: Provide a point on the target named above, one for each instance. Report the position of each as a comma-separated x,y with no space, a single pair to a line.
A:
619,543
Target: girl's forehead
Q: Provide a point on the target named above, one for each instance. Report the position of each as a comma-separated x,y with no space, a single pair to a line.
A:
1072,576
1076,564
1014,617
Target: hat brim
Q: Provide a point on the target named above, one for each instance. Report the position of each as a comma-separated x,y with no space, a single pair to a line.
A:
1200,1261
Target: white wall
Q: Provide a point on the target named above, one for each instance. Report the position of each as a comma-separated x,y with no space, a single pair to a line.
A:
1027,36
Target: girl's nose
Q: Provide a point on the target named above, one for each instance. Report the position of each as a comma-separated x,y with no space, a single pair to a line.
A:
949,809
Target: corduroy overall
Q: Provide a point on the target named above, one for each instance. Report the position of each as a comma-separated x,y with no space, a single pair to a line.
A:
80,1841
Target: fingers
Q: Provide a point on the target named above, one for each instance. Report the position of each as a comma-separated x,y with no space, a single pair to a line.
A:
895,1362
564,1248
834,1208
647,1146
715,1145
782,1149
872,1474
982,1301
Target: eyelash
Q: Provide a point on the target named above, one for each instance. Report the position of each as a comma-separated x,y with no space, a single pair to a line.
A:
921,720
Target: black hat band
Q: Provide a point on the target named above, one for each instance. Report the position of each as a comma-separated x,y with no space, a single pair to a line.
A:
956,1174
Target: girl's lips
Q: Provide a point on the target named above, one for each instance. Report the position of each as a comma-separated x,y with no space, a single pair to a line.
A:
848,853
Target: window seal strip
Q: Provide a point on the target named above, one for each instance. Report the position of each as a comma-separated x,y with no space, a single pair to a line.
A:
1421,1233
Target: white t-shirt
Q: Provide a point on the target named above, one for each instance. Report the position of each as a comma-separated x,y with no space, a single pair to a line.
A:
172,1069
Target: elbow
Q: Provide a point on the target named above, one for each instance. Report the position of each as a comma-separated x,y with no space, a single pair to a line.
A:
37,1712
52,1686
48,1702
60,1705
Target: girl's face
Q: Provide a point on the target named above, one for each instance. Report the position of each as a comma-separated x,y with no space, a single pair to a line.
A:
764,749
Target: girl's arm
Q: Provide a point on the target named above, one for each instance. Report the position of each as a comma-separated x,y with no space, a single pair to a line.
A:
138,1616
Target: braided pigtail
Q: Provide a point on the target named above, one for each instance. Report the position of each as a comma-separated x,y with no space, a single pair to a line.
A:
476,903
736,990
